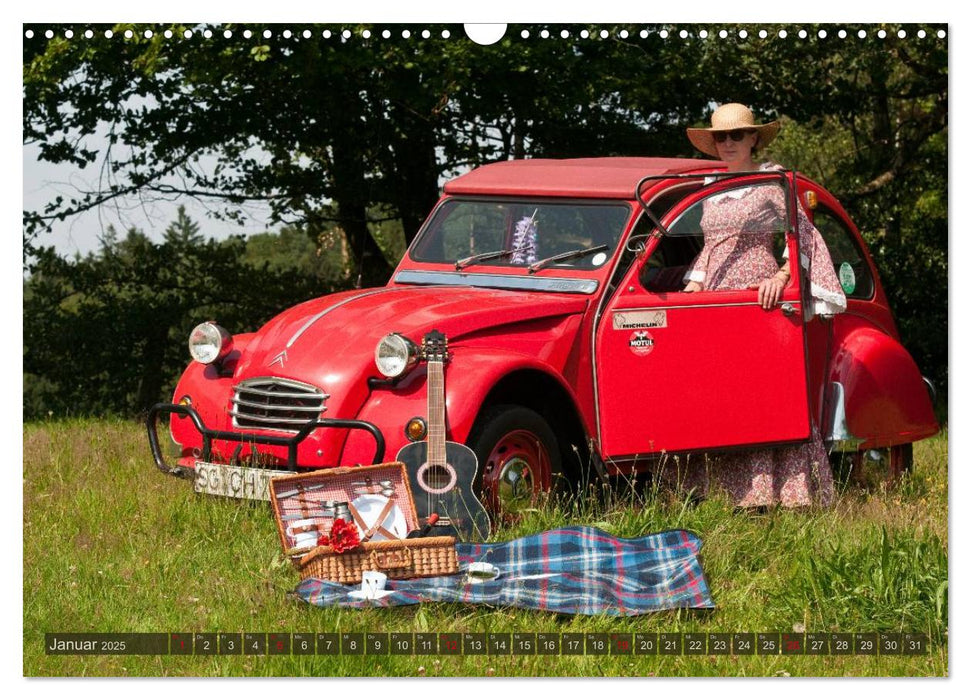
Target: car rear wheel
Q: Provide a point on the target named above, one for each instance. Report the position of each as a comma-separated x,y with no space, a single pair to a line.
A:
519,458
887,464
892,462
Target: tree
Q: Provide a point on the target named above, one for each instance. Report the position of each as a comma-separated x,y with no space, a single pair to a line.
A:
324,131
107,333
292,250
169,106
183,231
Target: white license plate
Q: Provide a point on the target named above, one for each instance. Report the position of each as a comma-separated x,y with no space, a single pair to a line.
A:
235,482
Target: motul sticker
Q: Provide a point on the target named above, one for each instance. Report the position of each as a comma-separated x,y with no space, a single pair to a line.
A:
629,320
641,343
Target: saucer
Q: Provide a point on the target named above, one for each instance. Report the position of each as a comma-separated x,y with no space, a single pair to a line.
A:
361,595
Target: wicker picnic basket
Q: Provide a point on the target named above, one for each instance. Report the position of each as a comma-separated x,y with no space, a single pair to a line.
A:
415,558
301,496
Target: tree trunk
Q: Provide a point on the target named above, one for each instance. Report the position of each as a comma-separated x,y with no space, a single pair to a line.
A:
416,173
352,196
369,266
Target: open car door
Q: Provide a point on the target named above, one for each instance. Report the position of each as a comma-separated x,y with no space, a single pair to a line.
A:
680,371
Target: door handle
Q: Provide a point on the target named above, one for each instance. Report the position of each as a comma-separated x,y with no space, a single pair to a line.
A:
788,308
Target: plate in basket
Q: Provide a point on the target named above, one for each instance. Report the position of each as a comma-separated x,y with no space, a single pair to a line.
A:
369,507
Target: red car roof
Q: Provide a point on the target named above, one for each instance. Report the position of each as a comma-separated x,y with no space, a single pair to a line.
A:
574,177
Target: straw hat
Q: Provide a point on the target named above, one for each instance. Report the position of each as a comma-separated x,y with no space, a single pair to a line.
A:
730,117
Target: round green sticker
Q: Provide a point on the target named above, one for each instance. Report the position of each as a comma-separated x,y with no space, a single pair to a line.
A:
847,278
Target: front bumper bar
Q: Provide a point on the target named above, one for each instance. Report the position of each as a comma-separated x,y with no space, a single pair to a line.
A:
208,435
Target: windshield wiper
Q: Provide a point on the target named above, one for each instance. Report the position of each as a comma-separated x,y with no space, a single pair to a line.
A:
568,255
481,257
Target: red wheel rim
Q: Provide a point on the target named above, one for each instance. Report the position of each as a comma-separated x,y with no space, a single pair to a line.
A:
516,471
893,467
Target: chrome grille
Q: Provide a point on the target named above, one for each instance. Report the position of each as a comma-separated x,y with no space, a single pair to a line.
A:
270,402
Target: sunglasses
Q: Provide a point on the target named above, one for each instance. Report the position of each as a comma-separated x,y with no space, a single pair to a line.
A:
736,135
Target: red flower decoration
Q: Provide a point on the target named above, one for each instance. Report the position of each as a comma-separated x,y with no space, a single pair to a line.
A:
343,536
323,541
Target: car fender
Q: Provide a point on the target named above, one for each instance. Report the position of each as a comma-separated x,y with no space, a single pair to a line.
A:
209,392
886,401
468,382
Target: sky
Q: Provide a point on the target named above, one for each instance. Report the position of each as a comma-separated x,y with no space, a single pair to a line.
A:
82,233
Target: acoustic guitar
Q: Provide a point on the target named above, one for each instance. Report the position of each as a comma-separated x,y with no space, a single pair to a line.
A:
441,473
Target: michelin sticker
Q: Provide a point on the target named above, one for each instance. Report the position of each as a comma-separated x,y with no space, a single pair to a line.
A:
631,320
641,343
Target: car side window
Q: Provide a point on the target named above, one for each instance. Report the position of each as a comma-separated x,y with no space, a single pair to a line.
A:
851,266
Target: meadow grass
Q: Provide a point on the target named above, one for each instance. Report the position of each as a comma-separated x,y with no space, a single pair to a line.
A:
113,545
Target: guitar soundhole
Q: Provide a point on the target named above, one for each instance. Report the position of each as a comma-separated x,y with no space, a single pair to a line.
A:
437,478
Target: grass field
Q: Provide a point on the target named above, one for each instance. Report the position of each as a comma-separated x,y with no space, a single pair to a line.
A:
113,545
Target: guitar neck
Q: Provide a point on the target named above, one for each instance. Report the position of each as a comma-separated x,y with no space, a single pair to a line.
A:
436,413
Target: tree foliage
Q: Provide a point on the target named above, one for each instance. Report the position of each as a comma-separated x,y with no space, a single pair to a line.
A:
107,333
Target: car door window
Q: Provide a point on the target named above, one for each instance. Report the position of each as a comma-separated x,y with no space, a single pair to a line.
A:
675,253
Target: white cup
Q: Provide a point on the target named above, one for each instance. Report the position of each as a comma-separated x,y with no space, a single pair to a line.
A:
372,583
303,533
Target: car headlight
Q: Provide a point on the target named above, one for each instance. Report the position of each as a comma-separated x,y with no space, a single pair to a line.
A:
395,355
209,343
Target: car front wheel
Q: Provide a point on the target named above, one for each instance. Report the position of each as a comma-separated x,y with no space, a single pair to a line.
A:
518,455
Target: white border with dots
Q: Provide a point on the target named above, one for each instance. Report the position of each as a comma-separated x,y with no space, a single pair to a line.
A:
606,11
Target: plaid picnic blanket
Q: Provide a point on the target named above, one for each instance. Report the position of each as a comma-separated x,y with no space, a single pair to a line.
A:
573,570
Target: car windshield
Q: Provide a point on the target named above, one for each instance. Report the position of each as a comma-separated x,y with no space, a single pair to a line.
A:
522,233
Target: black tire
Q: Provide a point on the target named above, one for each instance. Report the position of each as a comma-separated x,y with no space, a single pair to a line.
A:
888,464
512,443
901,460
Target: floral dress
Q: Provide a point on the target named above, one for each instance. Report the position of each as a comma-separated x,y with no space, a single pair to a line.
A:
737,252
